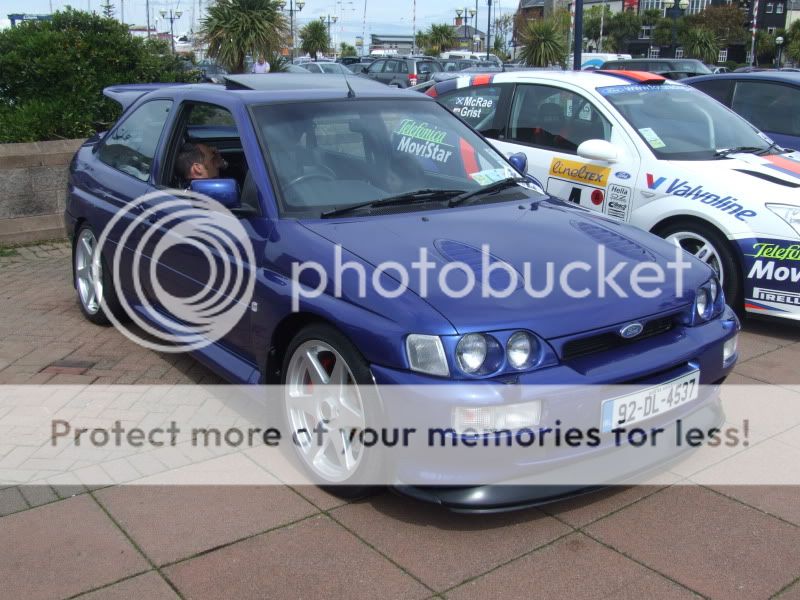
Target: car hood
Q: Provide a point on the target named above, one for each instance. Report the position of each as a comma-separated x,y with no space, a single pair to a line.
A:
533,232
747,178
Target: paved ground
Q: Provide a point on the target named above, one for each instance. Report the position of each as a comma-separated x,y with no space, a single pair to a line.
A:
264,542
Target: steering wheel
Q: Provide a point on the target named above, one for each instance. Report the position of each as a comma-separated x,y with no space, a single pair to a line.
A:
324,173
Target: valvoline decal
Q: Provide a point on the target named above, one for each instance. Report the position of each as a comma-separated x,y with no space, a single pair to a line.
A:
681,187
771,276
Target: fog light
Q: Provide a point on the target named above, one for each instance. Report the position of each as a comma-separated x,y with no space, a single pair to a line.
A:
729,350
486,419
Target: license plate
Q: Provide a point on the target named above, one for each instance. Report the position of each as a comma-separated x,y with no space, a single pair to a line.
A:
649,403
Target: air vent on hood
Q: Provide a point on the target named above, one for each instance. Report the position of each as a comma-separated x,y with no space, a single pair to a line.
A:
613,241
770,178
454,251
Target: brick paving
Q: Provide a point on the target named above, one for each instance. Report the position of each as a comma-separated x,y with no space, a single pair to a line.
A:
273,542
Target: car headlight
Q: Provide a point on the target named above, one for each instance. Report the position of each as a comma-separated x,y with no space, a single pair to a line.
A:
713,290
522,350
789,213
702,303
471,352
426,354
709,301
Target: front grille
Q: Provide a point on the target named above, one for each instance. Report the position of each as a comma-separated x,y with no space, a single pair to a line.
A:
611,340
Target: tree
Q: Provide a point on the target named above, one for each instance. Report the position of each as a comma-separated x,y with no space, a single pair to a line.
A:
41,100
592,21
543,44
440,38
108,9
765,46
314,38
623,26
661,34
727,22
234,29
701,43
346,49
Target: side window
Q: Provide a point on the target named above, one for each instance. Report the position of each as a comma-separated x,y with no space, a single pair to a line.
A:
555,119
403,67
376,67
132,145
769,106
477,106
719,89
391,66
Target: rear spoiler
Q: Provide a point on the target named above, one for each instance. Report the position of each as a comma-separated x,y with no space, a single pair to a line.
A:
127,94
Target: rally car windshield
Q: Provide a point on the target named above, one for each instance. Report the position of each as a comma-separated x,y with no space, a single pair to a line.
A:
680,123
333,155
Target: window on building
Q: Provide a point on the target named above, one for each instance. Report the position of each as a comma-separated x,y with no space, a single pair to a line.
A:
653,52
678,52
779,9
770,7
772,30
723,56
749,58
646,32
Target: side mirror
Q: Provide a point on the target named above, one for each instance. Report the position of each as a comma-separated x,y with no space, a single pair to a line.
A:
598,150
224,191
520,162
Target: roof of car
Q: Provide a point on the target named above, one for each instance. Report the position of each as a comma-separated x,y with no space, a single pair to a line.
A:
779,76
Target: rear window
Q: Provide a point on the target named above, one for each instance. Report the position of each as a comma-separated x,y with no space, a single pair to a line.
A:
428,67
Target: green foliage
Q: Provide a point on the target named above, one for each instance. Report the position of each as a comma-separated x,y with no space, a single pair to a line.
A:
314,38
651,16
765,46
278,63
662,32
235,29
727,22
52,74
440,38
622,27
346,49
701,43
592,21
543,43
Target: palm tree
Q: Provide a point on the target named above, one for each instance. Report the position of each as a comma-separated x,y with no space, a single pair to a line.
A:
235,29
440,37
542,44
701,43
314,38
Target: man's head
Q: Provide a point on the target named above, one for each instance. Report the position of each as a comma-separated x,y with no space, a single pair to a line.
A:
199,161
261,59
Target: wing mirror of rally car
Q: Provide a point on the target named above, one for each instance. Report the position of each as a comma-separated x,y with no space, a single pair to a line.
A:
598,150
520,162
224,191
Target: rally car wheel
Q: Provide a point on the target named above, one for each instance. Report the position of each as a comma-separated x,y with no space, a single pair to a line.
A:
96,293
711,247
328,388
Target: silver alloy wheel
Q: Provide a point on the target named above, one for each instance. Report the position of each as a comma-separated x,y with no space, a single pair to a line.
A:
320,389
88,272
701,248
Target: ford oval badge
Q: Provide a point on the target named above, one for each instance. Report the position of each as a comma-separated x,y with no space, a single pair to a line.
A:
631,330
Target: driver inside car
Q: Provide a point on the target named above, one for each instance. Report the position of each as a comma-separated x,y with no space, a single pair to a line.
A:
199,161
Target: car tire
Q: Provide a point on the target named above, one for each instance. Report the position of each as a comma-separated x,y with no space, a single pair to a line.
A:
92,280
709,245
341,362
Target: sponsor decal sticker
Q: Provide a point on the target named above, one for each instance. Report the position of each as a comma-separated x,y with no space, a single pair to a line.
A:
770,271
472,107
619,201
580,172
777,251
622,175
423,140
682,188
779,296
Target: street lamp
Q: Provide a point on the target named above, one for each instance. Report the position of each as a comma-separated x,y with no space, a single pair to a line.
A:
779,44
674,11
330,19
173,16
299,4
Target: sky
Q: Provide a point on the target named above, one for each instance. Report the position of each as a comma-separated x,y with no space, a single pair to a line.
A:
382,16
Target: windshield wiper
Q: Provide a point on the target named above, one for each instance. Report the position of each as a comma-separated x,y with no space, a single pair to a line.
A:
423,195
489,189
725,152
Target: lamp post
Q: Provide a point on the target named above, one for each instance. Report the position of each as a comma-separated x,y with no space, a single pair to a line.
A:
779,44
465,23
330,19
488,29
674,11
299,4
173,16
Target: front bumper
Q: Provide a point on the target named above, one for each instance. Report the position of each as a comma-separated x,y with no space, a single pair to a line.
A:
446,478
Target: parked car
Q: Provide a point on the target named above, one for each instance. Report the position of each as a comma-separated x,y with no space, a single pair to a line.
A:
211,72
320,163
657,154
718,70
463,64
326,68
359,67
350,60
769,100
671,68
403,71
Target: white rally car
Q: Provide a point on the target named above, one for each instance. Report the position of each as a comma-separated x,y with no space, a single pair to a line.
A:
657,154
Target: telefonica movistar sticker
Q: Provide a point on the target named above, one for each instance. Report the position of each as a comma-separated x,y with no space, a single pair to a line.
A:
580,172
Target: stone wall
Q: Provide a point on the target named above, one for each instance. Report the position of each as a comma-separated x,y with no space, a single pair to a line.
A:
33,183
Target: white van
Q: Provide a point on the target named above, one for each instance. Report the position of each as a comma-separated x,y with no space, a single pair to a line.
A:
595,60
469,55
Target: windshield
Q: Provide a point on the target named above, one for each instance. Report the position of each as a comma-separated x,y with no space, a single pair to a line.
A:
334,154
678,122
